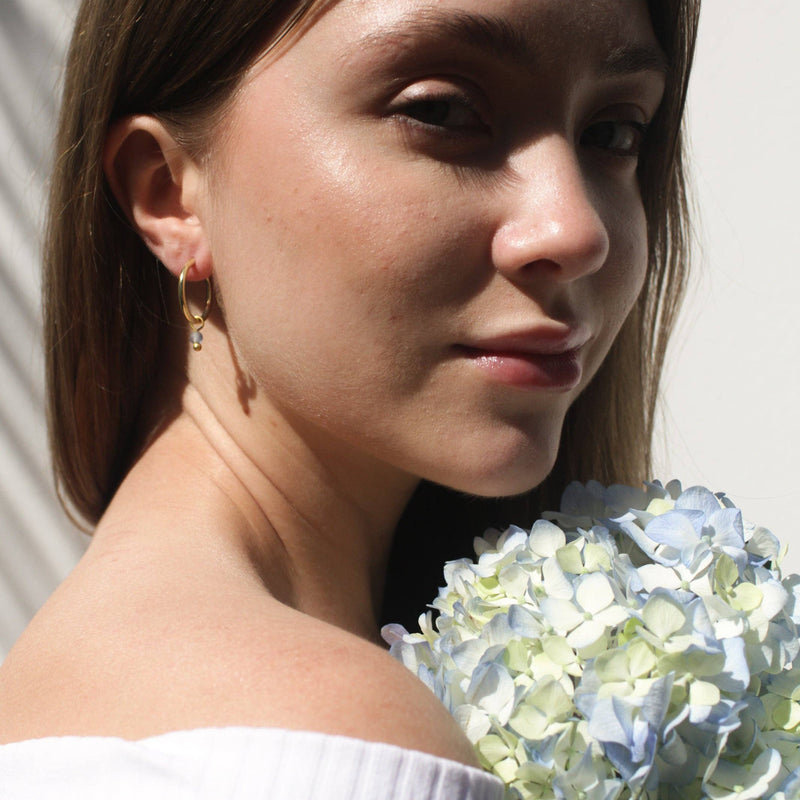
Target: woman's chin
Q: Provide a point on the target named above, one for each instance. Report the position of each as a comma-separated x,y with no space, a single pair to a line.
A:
507,487
503,478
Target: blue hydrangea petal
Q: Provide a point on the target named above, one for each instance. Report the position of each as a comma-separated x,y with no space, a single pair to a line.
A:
677,529
492,689
698,498
676,659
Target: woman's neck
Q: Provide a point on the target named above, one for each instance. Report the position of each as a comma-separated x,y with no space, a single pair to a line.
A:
307,518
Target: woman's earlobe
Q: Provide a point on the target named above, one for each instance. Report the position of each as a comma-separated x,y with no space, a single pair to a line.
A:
156,184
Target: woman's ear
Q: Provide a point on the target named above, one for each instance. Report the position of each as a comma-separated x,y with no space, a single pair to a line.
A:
158,186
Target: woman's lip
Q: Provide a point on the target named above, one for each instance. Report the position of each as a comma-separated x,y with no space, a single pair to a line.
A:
561,370
543,341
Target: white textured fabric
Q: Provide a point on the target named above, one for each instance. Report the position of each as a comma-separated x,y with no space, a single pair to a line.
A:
233,764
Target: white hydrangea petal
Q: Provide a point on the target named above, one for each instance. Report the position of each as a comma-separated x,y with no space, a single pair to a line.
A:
792,585
475,722
467,655
703,693
530,722
597,556
556,583
774,598
746,597
558,650
570,559
656,576
542,712
545,539
640,659
524,623
594,592
514,580
659,505
586,634
701,585
507,770
762,543
612,616
663,616
493,749
492,689
734,782
561,614
497,632
512,538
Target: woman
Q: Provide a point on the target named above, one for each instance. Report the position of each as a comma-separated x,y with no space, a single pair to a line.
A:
307,262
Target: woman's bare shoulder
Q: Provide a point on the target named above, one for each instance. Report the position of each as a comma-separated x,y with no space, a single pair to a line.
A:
115,661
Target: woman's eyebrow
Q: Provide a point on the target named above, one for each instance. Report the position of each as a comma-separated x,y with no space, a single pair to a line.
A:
499,39
492,35
635,58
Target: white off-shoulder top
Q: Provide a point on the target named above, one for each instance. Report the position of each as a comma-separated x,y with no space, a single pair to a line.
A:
233,764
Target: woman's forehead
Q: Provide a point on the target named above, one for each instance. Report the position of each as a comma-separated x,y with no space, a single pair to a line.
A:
579,17
527,32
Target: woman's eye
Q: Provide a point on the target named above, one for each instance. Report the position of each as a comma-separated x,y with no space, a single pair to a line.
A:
618,138
454,114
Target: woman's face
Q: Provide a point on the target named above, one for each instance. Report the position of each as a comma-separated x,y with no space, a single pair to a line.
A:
426,226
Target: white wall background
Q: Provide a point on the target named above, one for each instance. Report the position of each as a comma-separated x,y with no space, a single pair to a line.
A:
731,419
731,399
37,547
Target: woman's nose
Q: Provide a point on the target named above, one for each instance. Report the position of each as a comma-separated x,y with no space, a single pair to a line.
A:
551,223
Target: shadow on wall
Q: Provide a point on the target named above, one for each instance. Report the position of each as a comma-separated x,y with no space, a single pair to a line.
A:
37,545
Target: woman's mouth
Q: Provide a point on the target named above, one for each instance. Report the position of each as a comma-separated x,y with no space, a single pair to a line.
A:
558,372
530,360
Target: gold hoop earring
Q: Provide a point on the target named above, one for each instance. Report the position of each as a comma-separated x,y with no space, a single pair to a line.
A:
196,321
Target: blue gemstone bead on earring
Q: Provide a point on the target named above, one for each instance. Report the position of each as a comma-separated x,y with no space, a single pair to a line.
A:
196,321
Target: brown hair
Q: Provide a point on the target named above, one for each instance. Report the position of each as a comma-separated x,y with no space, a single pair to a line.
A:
105,321
103,312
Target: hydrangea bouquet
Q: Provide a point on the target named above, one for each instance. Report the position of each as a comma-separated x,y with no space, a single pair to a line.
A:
636,644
